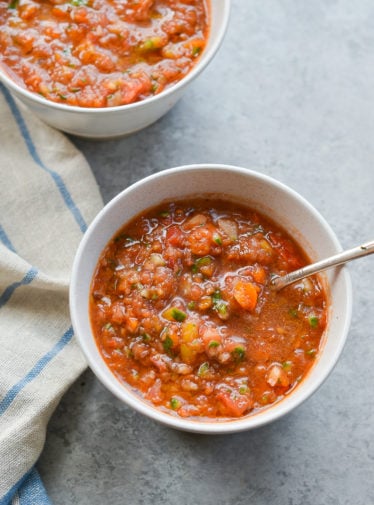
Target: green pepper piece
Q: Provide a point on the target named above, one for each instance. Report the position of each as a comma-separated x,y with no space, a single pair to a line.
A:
213,344
239,352
313,321
173,313
203,368
175,403
167,344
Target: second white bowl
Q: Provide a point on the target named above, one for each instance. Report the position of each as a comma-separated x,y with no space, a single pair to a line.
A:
109,122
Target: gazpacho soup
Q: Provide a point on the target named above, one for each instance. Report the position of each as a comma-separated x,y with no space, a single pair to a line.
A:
101,53
183,312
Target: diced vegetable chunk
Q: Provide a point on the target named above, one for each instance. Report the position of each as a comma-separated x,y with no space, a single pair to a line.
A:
235,404
277,376
245,294
174,314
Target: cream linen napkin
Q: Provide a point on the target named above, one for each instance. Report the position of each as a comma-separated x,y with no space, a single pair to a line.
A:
48,195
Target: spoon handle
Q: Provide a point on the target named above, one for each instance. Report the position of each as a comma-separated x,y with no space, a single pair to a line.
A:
280,282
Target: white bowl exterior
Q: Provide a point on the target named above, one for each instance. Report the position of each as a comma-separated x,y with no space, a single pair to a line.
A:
295,214
112,122
104,125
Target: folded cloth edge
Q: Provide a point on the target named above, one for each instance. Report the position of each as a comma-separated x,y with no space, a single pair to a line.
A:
25,132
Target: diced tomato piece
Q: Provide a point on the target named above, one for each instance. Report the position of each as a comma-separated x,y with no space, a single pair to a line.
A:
188,411
109,341
200,240
286,250
234,404
235,346
159,362
28,11
174,236
172,256
154,393
132,324
118,313
80,15
210,336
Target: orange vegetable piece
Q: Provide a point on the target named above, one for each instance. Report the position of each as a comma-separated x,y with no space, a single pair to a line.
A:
245,293
259,275
234,404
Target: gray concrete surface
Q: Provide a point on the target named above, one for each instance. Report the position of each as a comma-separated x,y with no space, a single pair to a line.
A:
291,93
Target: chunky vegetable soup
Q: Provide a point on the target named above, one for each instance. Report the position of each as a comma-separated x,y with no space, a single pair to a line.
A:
101,53
182,310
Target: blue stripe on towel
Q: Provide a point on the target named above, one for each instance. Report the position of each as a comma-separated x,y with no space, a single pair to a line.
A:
7,293
7,498
30,491
35,371
6,240
33,152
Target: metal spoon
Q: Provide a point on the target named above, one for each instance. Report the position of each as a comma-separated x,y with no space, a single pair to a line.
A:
280,281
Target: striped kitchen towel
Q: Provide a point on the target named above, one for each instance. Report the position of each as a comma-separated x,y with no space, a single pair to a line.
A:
47,196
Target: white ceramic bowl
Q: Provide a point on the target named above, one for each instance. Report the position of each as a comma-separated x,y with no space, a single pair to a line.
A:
260,192
110,122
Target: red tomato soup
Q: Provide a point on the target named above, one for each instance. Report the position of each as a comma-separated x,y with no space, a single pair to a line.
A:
182,311
101,53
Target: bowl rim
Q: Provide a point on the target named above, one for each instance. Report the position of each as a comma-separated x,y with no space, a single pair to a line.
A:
119,390
202,63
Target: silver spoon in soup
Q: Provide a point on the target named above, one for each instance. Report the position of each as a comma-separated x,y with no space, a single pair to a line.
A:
280,281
